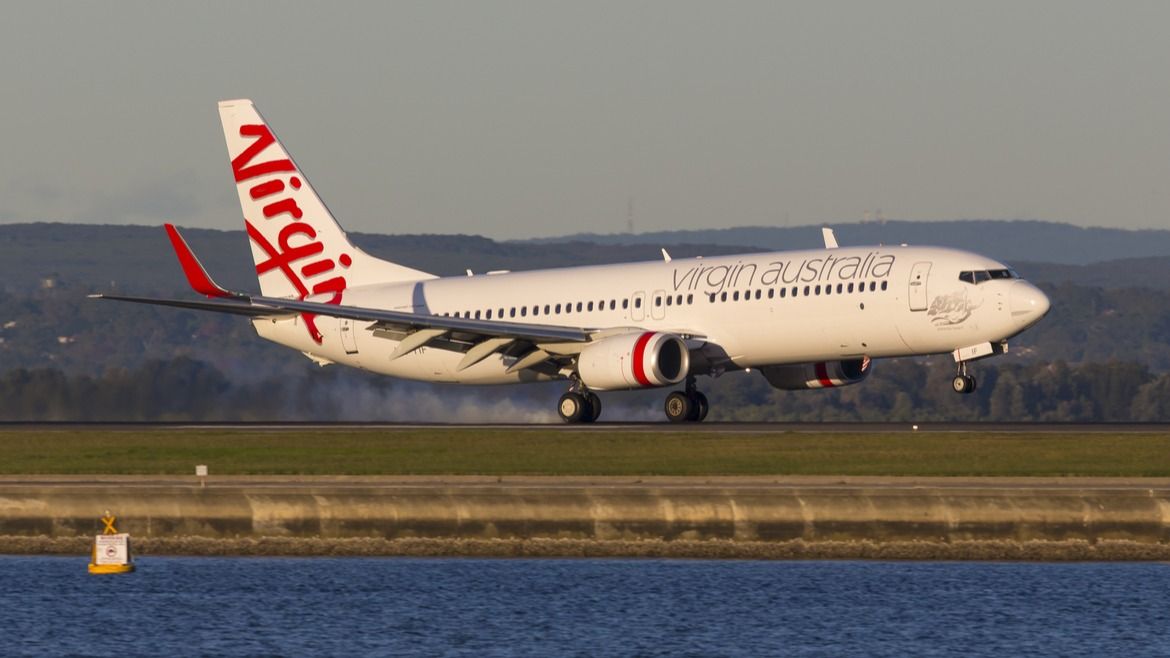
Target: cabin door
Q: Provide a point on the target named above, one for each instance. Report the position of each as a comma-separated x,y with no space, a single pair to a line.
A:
918,276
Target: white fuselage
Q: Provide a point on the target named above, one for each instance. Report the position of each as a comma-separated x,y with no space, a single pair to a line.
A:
744,311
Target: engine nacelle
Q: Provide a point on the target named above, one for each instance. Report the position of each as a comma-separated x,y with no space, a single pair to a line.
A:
822,374
634,361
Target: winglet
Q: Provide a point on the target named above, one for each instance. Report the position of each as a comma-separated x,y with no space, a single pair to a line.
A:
830,238
196,275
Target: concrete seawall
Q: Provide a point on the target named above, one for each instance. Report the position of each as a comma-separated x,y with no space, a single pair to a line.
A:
717,517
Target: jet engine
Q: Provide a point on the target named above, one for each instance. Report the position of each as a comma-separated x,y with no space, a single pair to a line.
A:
635,360
822,374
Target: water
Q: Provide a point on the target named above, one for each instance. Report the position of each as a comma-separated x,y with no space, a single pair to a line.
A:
466,607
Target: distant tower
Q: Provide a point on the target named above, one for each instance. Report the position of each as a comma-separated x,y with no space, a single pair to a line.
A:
880,218
630,215
867,217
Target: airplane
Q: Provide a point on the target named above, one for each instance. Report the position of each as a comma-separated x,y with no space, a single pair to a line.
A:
807,319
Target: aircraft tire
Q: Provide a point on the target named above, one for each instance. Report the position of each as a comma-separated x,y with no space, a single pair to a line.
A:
963,384
678,407
701,407
594,408
572,407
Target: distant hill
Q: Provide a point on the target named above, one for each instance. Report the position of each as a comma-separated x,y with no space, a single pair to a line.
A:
1010,241
139,259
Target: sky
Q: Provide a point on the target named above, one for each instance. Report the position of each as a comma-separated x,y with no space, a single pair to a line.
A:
544,118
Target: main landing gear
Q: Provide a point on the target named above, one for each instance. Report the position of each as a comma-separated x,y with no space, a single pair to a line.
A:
963,383
579,405
687,406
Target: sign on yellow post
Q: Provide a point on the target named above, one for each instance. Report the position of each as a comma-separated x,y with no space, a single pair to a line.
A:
111,549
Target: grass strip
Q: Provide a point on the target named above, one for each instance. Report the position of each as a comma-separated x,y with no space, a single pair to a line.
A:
544,451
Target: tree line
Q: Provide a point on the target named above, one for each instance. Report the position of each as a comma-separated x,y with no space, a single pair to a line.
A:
910,390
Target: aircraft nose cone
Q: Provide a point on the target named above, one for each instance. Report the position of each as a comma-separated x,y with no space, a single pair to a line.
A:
1028,303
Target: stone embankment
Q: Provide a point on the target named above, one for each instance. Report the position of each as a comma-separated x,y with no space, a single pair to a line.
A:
809,517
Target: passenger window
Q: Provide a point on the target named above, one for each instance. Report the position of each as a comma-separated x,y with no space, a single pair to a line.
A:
839,288
637,302
818,290
758,293
579,307
850,288
807,290
558,309
625,304
735,296
723,297
771,293
885,284
523,311
782,292
612,304
489,314
829,289
589,307
512,312
711,295
872,286
535,311
669,299
690,299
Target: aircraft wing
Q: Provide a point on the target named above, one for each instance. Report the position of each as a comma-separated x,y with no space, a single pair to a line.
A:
221,300
276,307
477,339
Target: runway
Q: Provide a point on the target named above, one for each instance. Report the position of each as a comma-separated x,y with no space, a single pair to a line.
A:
603,427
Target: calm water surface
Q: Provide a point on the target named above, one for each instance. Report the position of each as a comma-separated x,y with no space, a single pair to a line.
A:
465,607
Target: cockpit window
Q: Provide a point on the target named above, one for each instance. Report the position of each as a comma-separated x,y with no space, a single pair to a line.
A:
979,276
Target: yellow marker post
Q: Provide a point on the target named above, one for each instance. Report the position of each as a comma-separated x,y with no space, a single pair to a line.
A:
111,549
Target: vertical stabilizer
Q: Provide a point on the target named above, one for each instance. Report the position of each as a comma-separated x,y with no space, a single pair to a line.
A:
298,247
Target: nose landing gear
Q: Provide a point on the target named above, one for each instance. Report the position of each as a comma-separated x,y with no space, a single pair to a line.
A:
963,383
687,406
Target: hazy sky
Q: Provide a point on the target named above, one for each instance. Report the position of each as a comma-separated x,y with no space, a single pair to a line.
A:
511,119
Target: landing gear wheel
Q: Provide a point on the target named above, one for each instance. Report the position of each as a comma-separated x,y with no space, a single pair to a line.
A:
678,407
963,384
573,407
594,408
701,407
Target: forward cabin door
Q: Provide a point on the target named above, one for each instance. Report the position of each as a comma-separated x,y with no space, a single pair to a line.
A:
918,276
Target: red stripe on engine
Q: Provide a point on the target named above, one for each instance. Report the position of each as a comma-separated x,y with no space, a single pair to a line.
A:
823,375
639,358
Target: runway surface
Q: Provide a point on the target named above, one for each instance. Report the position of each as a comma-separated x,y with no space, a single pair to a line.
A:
713,428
